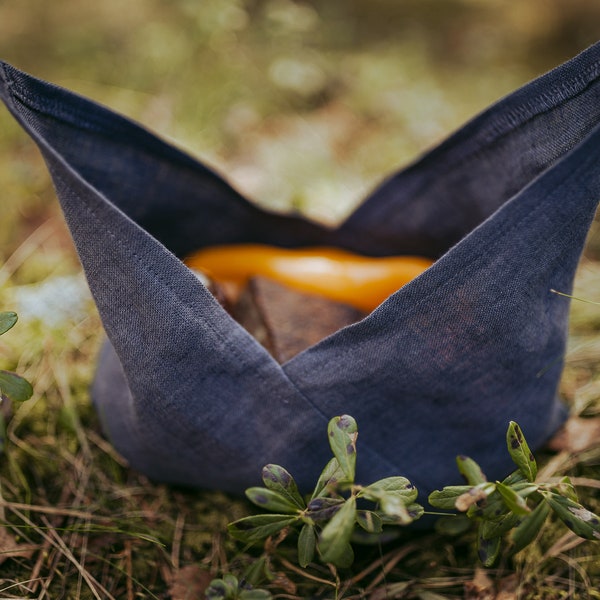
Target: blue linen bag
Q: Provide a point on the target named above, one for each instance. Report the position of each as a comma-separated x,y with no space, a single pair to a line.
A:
187,396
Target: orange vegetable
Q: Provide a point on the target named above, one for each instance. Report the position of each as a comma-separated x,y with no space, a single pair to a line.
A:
361,281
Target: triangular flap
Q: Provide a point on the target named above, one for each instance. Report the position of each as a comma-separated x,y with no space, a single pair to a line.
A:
431,205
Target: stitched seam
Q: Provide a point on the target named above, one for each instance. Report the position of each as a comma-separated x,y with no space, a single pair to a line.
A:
54,110
513,119
523,114
526,219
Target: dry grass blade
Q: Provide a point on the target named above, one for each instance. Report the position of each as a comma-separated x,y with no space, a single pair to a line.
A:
305,574
56,511
23,585
177,538
577,435
51,536
565,543
26,249
387,563
585,482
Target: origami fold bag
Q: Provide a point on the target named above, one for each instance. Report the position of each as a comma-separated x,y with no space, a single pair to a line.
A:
438,369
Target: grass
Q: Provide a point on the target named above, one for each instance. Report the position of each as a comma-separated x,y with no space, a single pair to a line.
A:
373,88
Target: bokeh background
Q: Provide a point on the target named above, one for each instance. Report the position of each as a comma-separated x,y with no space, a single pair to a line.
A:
305,104
302,105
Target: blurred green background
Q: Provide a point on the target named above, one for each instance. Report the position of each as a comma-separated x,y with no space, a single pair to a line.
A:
300,104
305,104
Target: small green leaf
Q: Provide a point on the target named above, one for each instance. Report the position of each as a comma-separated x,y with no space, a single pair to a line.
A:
255,573
525,488
271,500
258,527
277,479
488,550
345,558
516,477
231,580
494,507
7,320
343,432
222,589
520,452
393,495
513,501
490,508
331,474
339,555
335,537
493,529
445,498
393,505
529,527
217,590
576,517
470,470
322,509
415,511
399,486
307,542
370,521
15,387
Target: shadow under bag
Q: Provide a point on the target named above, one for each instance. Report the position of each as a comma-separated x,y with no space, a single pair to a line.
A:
189,397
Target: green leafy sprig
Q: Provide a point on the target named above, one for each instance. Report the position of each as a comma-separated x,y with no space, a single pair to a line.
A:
515,508
13,387
328,518
518,505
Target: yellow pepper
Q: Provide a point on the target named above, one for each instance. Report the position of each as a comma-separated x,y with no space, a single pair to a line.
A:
361,281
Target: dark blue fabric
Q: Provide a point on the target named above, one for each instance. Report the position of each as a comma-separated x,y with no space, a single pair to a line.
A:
189,397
